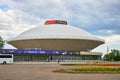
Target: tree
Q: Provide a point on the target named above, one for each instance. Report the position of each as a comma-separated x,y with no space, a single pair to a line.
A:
114,55
1,43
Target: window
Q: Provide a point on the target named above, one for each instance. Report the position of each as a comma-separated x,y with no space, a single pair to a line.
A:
5,56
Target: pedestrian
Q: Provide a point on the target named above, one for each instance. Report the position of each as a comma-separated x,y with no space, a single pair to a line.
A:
58,60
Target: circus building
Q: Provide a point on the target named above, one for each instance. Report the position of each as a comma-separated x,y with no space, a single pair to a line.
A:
54,40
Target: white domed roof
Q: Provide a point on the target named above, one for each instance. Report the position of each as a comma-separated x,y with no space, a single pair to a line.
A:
56,35
56,31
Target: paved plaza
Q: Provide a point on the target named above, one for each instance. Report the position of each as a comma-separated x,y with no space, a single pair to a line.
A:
43,71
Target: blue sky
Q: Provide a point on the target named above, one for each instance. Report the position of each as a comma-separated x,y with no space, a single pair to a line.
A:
99,17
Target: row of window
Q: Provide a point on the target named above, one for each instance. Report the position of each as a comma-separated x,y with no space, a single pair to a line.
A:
5,56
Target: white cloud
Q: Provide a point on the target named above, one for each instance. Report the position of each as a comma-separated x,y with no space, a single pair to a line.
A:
112,42
13,23
109,32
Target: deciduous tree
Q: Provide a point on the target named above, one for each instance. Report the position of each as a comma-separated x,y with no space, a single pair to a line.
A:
1,43
114,55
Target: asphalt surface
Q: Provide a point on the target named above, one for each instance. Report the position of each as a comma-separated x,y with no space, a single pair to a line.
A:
43,71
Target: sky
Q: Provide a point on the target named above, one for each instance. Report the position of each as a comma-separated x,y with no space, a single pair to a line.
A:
98,17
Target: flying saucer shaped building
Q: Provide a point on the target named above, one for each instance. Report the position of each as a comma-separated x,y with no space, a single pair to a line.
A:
56,35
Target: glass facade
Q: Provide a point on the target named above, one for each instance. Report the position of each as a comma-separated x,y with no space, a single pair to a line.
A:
55,57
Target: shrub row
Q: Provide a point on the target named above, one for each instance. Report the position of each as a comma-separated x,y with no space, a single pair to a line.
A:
90,64
111,70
